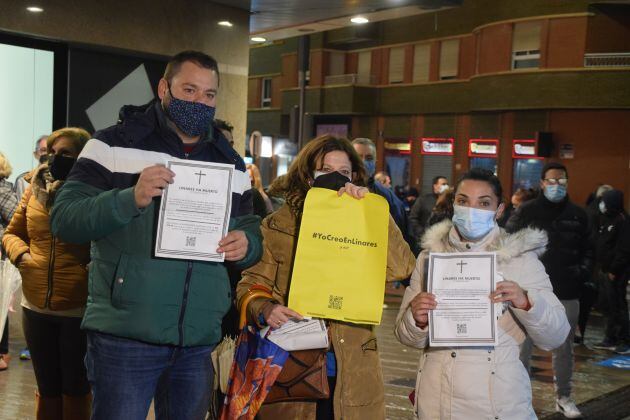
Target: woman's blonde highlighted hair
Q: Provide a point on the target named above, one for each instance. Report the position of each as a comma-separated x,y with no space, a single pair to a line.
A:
5,167
77,136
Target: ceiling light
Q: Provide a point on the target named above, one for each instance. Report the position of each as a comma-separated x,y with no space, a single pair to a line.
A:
258,39
359,19
226,23
34,9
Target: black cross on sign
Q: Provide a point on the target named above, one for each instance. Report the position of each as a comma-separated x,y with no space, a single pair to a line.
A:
461,266
200,175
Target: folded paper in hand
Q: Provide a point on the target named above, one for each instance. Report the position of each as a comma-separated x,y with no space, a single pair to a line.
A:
306,334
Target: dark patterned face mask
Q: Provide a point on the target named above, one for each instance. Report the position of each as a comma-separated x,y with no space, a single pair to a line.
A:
193,118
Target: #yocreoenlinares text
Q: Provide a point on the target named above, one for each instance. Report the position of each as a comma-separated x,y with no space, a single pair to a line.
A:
343,240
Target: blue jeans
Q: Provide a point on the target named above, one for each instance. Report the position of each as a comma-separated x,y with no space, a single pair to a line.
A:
126,375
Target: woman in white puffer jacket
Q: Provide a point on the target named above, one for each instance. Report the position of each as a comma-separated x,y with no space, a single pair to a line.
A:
483,382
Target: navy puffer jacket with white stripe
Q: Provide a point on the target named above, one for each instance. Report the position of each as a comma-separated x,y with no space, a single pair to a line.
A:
132,293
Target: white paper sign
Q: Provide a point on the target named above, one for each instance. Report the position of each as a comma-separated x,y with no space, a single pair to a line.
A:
462,283
309,333
195,211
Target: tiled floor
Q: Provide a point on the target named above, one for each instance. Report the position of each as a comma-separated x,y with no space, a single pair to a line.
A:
17,384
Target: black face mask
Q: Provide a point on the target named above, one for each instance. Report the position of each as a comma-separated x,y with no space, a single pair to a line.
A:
43,158
332,181
60,166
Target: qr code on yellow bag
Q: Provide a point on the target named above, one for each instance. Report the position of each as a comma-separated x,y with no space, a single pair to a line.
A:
335,302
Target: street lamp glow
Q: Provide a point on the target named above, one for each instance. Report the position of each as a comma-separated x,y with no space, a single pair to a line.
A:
34,9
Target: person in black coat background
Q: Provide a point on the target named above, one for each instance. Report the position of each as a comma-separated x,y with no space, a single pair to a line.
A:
568,261
613,257
422,208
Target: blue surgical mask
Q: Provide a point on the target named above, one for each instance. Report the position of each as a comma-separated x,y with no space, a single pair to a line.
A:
370,167
193,118
472,223
555,193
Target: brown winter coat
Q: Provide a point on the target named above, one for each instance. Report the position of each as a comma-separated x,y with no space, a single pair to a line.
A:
56,276
359,392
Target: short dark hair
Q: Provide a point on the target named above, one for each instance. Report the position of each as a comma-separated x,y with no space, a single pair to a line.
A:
553,165
436,179
223,125
480,174
197,57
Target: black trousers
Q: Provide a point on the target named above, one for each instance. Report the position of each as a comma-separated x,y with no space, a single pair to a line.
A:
325,408
57,345
4,344
617,312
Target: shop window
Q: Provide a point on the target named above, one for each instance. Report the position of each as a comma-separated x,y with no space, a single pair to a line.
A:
266,93
449,59
526,173
398,162
421,61
526,45
396,65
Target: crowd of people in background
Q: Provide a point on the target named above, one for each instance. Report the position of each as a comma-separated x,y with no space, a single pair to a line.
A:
131,339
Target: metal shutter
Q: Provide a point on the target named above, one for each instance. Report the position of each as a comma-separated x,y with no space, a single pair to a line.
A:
449,58
433,166
421,60
396,65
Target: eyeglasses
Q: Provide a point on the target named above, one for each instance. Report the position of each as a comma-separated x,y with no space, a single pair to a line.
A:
554,181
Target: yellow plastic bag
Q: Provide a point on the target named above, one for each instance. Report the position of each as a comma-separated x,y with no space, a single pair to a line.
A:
341,258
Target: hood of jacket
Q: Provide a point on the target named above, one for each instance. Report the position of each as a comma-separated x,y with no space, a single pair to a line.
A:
443,237
136,122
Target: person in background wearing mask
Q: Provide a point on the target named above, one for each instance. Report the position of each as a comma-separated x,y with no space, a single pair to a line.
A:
568,262
152,322
613,269
443,208
482,382
54,285
352,360
422,208
40,154
8,204
366,150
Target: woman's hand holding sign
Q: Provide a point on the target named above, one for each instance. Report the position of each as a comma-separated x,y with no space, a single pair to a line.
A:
353,191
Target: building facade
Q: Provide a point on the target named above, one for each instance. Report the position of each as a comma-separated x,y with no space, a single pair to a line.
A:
505,85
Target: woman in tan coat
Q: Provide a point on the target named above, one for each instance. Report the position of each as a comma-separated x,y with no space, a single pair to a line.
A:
54,286
353,362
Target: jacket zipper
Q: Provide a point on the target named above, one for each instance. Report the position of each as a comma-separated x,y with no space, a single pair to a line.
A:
51,269
182,312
